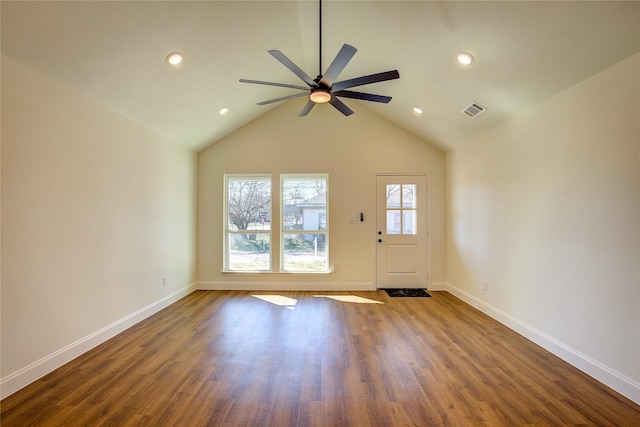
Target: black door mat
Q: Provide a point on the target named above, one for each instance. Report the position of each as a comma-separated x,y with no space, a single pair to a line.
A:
406,292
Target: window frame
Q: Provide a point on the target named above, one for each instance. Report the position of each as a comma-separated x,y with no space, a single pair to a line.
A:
227,232
283,232
401,210
276,206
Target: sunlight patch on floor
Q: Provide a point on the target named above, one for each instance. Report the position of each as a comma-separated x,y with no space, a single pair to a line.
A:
350,298
281,300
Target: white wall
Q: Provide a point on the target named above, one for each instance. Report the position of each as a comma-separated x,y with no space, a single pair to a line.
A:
546,208
96,210
351,150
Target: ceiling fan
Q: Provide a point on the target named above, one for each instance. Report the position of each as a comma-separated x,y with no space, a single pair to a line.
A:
324,88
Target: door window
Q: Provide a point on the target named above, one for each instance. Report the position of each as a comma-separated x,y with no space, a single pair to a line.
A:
401,209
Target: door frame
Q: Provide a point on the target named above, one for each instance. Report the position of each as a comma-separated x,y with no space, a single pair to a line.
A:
375,222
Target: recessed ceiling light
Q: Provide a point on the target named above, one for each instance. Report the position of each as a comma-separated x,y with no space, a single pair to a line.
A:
465,58
174,58
223,111
418,110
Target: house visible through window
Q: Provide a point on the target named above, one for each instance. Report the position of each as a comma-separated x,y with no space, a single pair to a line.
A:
401,209
304,225
322,221
303,242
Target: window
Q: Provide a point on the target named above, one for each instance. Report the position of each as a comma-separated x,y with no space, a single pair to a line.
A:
304,223
248,223
303,242
401,209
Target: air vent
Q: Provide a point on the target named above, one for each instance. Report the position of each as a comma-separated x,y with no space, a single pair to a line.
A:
473,109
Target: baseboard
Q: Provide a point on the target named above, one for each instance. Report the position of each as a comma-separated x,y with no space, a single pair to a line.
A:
437,286
25,376
284,286
623,385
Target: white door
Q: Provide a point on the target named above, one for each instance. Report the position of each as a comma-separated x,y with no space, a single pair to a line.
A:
402,258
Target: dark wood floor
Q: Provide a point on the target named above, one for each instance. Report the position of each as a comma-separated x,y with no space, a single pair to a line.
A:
231,359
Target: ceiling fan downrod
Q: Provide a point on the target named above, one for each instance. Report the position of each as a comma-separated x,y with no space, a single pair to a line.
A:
321,94
319,39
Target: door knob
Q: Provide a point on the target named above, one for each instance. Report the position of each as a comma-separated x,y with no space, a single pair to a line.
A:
379,232
379,240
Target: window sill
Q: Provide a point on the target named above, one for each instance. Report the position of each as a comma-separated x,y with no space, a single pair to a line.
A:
280,273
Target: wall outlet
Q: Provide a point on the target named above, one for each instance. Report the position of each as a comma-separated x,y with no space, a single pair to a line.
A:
164,281
484,285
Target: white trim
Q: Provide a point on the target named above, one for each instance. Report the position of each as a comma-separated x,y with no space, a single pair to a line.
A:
438,286
623,385
30,373
282,231
248,273
284,286
225,216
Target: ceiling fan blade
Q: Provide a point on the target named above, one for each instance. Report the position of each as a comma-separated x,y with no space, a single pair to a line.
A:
341,106
309,105
364,96
365,80
258,82
339,62
293,67
284,98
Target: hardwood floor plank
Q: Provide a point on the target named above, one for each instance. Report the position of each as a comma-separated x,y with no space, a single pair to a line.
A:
232,358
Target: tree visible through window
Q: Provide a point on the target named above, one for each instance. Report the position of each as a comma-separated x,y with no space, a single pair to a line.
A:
401,209
304,228
248,223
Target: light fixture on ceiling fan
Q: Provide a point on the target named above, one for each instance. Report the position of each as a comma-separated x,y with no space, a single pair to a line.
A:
324,89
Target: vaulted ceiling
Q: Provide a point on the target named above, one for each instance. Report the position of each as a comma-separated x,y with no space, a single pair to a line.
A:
114,53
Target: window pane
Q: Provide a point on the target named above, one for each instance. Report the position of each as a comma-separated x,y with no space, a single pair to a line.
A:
409,222
393,195
305,252
249,203
292,219
408,196
304,203
393,222
249,252
322,221
304,210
